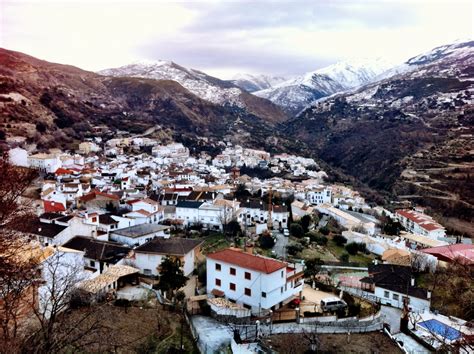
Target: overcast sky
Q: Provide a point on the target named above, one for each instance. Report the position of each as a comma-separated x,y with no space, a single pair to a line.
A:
227,37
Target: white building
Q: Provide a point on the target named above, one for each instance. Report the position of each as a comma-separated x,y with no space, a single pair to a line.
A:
421,224
149,256
256,282
319,195
139,234
394,285
44,162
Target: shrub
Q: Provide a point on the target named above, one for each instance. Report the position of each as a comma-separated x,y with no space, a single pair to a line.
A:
317,238
305,222
339,240
122,303
41,127
294,248
344,257
296,230
324,230
352,248
266,241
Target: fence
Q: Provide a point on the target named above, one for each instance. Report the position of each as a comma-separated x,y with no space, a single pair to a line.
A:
325,324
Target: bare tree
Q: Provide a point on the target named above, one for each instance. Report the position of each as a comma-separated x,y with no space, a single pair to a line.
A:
17,267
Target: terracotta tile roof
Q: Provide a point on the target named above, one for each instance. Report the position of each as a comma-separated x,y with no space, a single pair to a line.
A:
463,253
53,207
63,171
92,195
249,261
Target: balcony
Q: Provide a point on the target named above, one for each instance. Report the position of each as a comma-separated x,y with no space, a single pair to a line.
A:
294,271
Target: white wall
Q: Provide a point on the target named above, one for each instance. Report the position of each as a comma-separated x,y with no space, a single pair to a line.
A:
275,286
416,304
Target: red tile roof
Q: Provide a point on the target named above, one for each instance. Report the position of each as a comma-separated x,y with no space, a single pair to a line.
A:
63,171
248,261
461,252
92,195
53,207
430,227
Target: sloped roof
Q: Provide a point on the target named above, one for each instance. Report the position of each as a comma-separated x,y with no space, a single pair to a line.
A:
461,252
53,207
246,260
110,252
171,246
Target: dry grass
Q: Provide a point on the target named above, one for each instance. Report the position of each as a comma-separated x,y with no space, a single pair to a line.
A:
374,342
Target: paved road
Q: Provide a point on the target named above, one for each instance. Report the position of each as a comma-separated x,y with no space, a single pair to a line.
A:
280,244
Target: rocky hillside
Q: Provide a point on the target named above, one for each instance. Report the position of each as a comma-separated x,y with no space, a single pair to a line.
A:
410,134
57,105
206,87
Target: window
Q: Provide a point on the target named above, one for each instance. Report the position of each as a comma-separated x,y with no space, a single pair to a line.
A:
232,271
147,271
248,276
218,267
232,286
282,274
395,296
264,294
281,290
92,264
386,294
218,282
248,292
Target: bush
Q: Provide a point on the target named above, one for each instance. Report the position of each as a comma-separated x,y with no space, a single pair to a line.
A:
339,240
352,248
266,241
305,222
317,238
324,230
294,248
296,230
201,272
344,257
122,303
41,127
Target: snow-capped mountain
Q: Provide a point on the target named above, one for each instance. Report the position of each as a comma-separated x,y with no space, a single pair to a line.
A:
297,93
252,83
458,51
204,86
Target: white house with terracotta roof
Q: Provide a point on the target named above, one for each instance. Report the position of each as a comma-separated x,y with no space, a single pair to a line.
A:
419,223
256,282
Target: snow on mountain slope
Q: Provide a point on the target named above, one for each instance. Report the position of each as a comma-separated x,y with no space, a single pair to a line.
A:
297,93
451,53
202,85
252,83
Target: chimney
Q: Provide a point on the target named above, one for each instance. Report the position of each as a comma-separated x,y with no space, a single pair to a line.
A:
249,249
412,282
428,295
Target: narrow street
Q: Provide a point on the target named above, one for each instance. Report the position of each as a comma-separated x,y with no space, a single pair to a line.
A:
280,244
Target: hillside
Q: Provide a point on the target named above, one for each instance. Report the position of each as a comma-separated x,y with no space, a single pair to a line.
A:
410,135
58,105
204,86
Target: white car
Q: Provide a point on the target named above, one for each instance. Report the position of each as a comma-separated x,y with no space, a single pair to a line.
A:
286,233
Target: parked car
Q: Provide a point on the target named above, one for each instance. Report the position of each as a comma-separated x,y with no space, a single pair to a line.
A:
286,233
331,304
